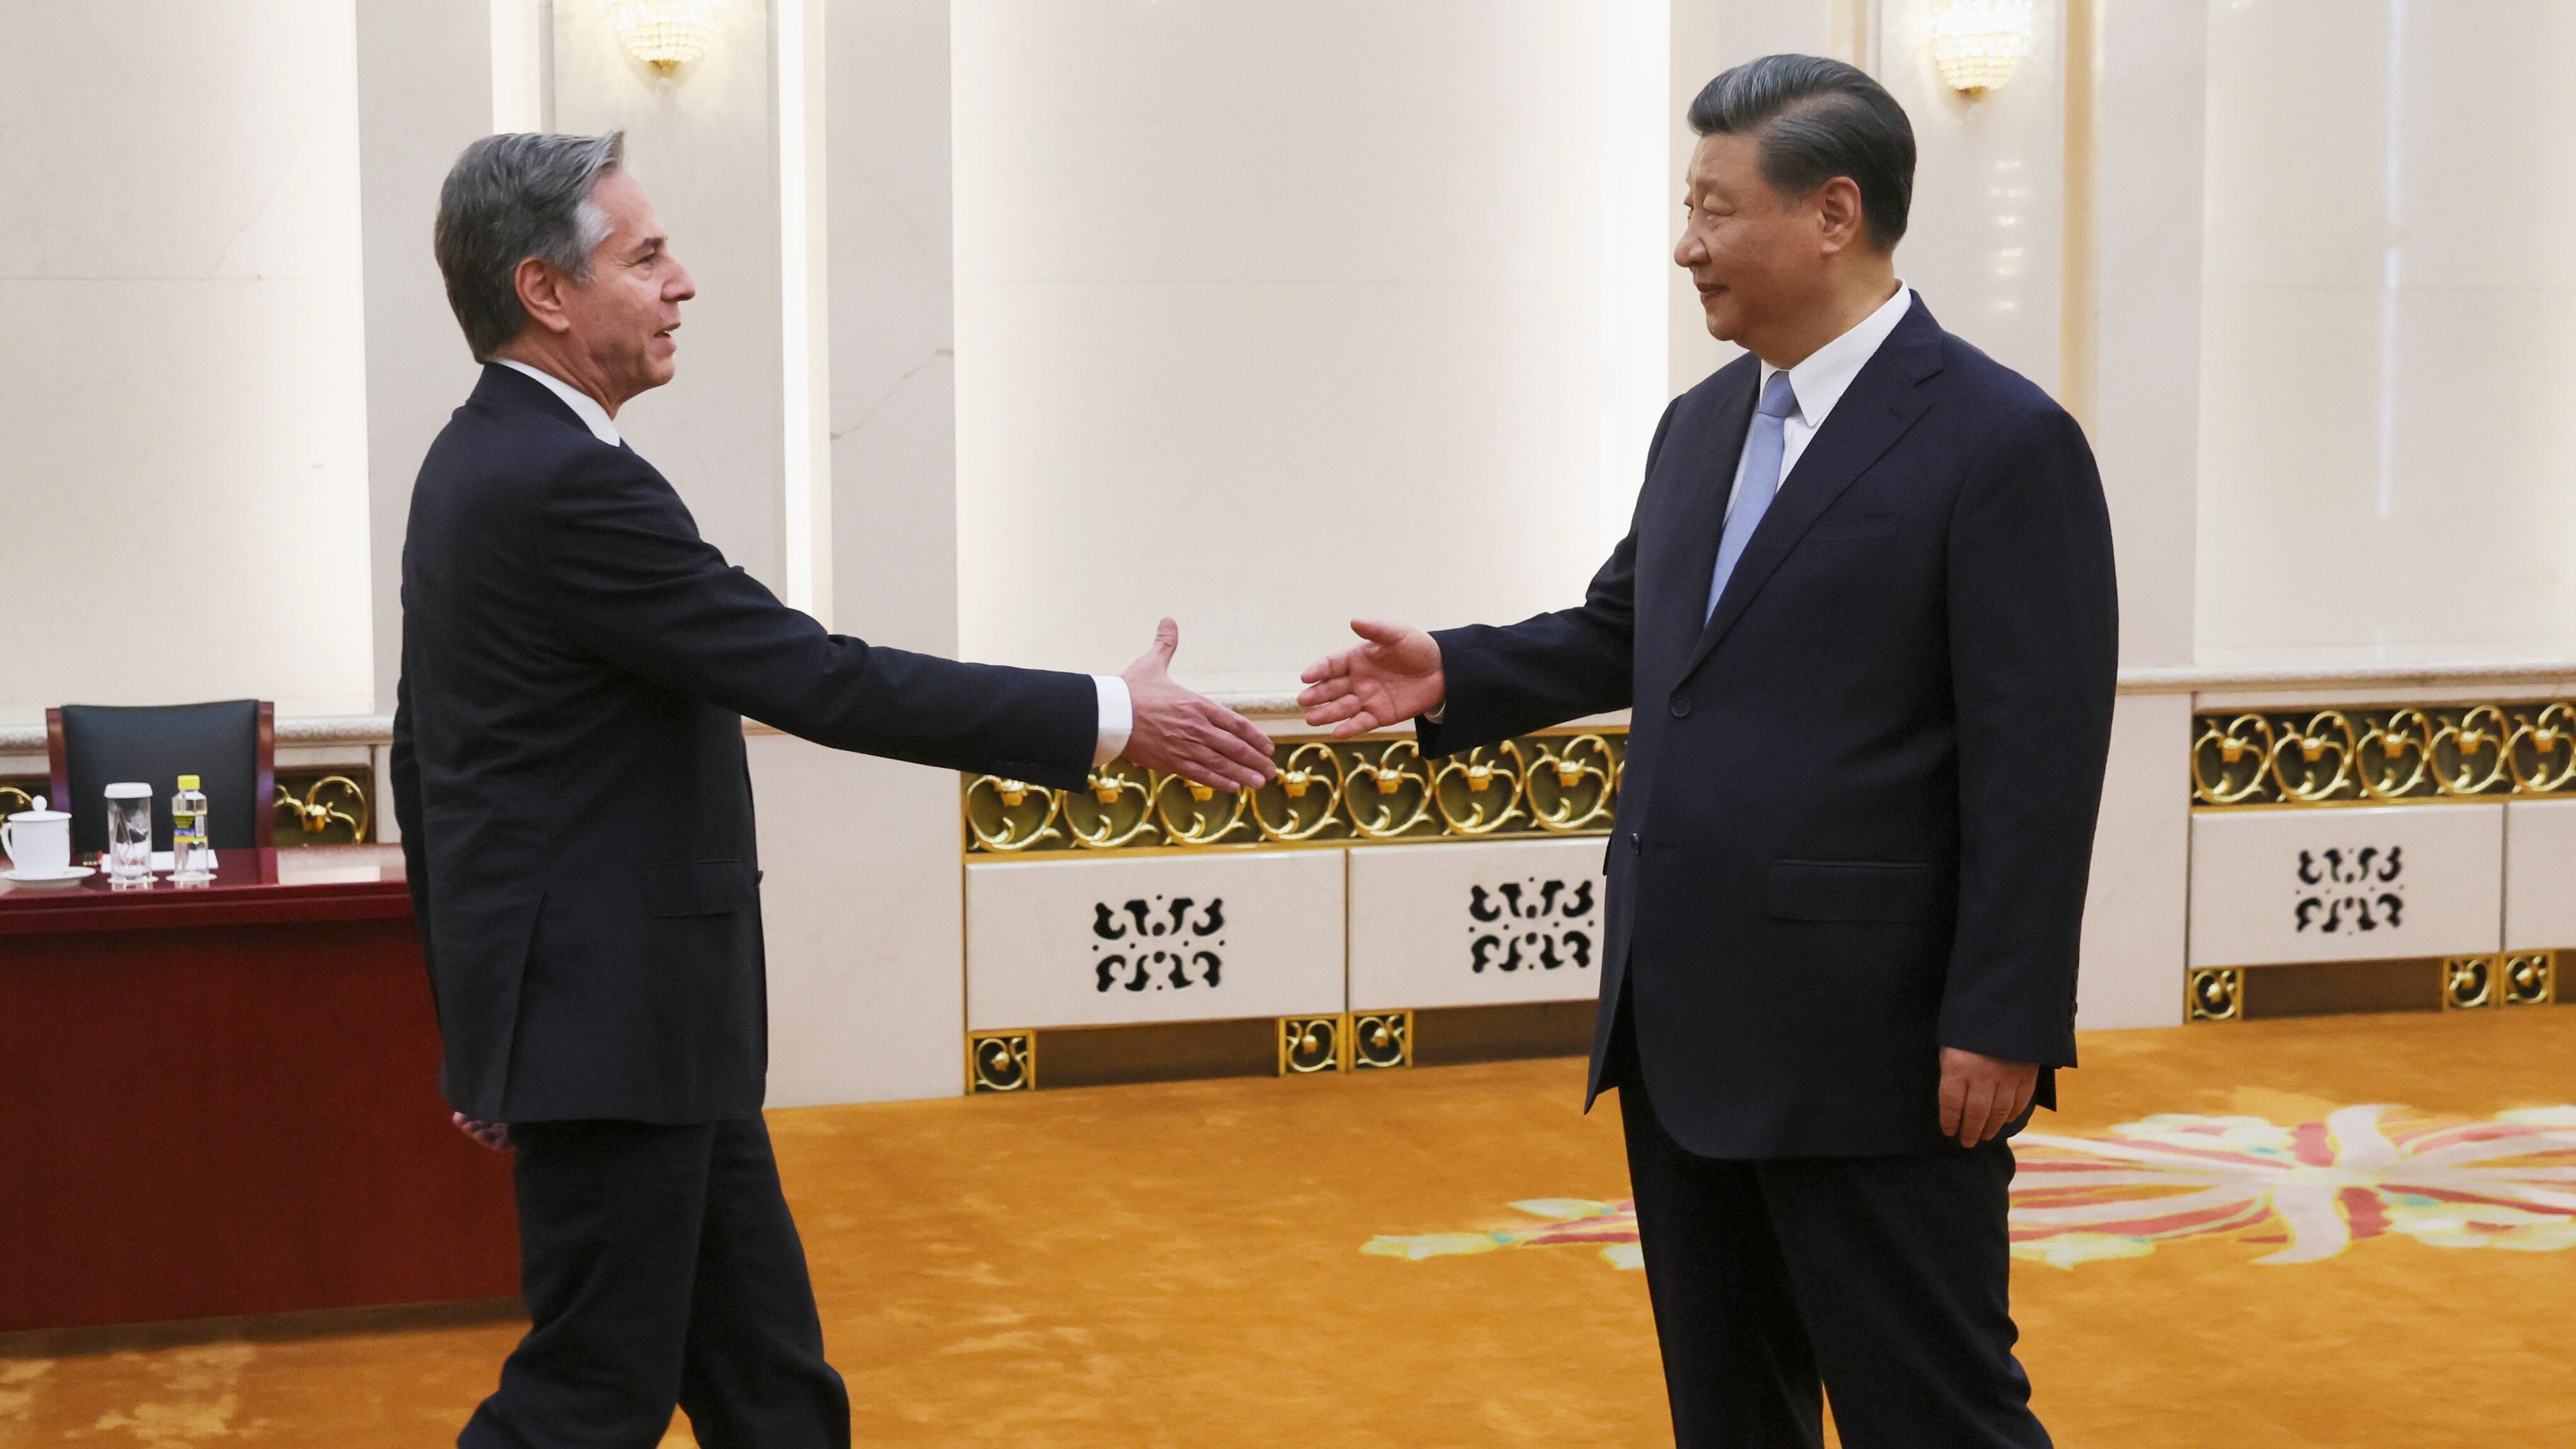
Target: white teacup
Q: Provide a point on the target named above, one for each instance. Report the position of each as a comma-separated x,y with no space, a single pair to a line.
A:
38,841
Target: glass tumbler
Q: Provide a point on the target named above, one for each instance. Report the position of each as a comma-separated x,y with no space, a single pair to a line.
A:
129,834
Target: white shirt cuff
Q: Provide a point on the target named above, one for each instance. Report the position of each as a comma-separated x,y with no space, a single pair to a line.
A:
1117,717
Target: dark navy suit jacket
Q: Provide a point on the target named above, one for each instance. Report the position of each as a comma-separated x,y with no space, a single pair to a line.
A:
1859,802
569,773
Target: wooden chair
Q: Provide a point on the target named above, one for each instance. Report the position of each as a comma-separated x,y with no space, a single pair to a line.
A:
231,746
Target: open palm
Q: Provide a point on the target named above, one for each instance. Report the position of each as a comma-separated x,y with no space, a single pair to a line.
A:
1392,674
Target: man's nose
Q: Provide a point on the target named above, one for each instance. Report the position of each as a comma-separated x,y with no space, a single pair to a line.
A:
1688,252
683,286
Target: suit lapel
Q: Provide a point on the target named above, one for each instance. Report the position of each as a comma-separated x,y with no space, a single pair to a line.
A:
1702,516
1882,403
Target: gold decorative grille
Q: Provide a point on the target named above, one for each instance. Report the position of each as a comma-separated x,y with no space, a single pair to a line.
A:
323,807
1356,792
2426,753
2215,993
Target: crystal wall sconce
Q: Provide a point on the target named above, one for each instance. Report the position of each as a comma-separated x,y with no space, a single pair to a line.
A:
1976,43
666,34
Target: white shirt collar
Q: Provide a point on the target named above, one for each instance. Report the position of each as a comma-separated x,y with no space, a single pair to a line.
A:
1821,380
595,417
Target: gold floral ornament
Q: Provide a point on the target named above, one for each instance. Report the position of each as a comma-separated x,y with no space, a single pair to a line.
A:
2313,762
2395,756
1390,791
2469,750
1011,815
1305,799
1191,813
1478,793
1569,784
2541,752
331,800
1115,808
2228,762
1365,791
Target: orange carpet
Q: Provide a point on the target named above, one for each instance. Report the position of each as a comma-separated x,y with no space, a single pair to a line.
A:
1288,1263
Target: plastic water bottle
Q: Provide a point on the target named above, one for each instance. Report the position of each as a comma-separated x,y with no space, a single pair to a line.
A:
192,861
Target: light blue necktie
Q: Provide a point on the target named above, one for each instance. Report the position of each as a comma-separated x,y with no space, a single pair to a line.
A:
1761,480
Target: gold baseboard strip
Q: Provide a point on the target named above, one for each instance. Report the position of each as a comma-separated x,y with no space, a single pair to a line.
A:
1292,1046
2334,988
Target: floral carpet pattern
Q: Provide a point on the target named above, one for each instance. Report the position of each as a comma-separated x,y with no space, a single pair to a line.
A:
2308,1191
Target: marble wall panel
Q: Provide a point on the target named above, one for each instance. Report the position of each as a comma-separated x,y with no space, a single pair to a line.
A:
1476,925
2132,964
2386,378
183,487
704,145
1272,315
1156,938
2276,886
2540,875
1984,241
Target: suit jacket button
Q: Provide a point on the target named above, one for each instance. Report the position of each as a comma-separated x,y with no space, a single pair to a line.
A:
1681,706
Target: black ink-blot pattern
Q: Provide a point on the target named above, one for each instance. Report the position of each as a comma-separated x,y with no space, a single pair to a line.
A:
1531,925
1158,944
2346,890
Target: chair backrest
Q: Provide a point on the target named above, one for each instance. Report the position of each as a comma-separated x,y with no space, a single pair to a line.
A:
231,746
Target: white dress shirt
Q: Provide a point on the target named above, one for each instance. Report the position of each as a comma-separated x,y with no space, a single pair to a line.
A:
583,405
1821,380
1109,692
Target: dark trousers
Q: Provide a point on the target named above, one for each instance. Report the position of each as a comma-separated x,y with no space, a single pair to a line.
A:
660,1268
1884,1278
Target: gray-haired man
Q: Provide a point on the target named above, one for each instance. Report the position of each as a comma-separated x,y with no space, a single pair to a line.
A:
568,768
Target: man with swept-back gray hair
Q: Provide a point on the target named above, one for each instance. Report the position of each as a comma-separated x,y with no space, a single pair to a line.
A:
569,772
1866,621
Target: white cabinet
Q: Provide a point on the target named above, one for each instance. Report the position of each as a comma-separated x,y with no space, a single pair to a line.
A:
1476,924
1153,938
2346,884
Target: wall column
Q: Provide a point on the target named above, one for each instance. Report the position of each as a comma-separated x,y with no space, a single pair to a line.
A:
424,94
864,904
2146,76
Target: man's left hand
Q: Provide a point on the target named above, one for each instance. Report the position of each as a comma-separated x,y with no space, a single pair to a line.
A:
495,1135
1981,1095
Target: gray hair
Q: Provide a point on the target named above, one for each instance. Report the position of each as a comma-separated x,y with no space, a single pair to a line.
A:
509,198
1815,119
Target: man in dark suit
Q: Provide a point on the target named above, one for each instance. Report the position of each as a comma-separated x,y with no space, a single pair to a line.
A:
569,772
1865,620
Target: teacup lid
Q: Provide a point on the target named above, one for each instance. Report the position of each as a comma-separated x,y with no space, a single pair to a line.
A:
38,813
129,790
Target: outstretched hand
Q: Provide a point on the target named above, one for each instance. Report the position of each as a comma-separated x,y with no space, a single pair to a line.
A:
1394,674
1182,732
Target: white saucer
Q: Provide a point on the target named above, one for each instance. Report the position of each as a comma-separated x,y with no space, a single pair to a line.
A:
64,877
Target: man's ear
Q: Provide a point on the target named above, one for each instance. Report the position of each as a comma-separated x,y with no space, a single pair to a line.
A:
1842,222
541,287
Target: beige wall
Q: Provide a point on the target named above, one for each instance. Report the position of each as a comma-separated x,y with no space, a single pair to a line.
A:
183,483
424,94
2388,450
702,145
1272,315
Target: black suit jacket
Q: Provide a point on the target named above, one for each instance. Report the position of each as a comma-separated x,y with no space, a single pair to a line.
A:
569,772
1859,802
